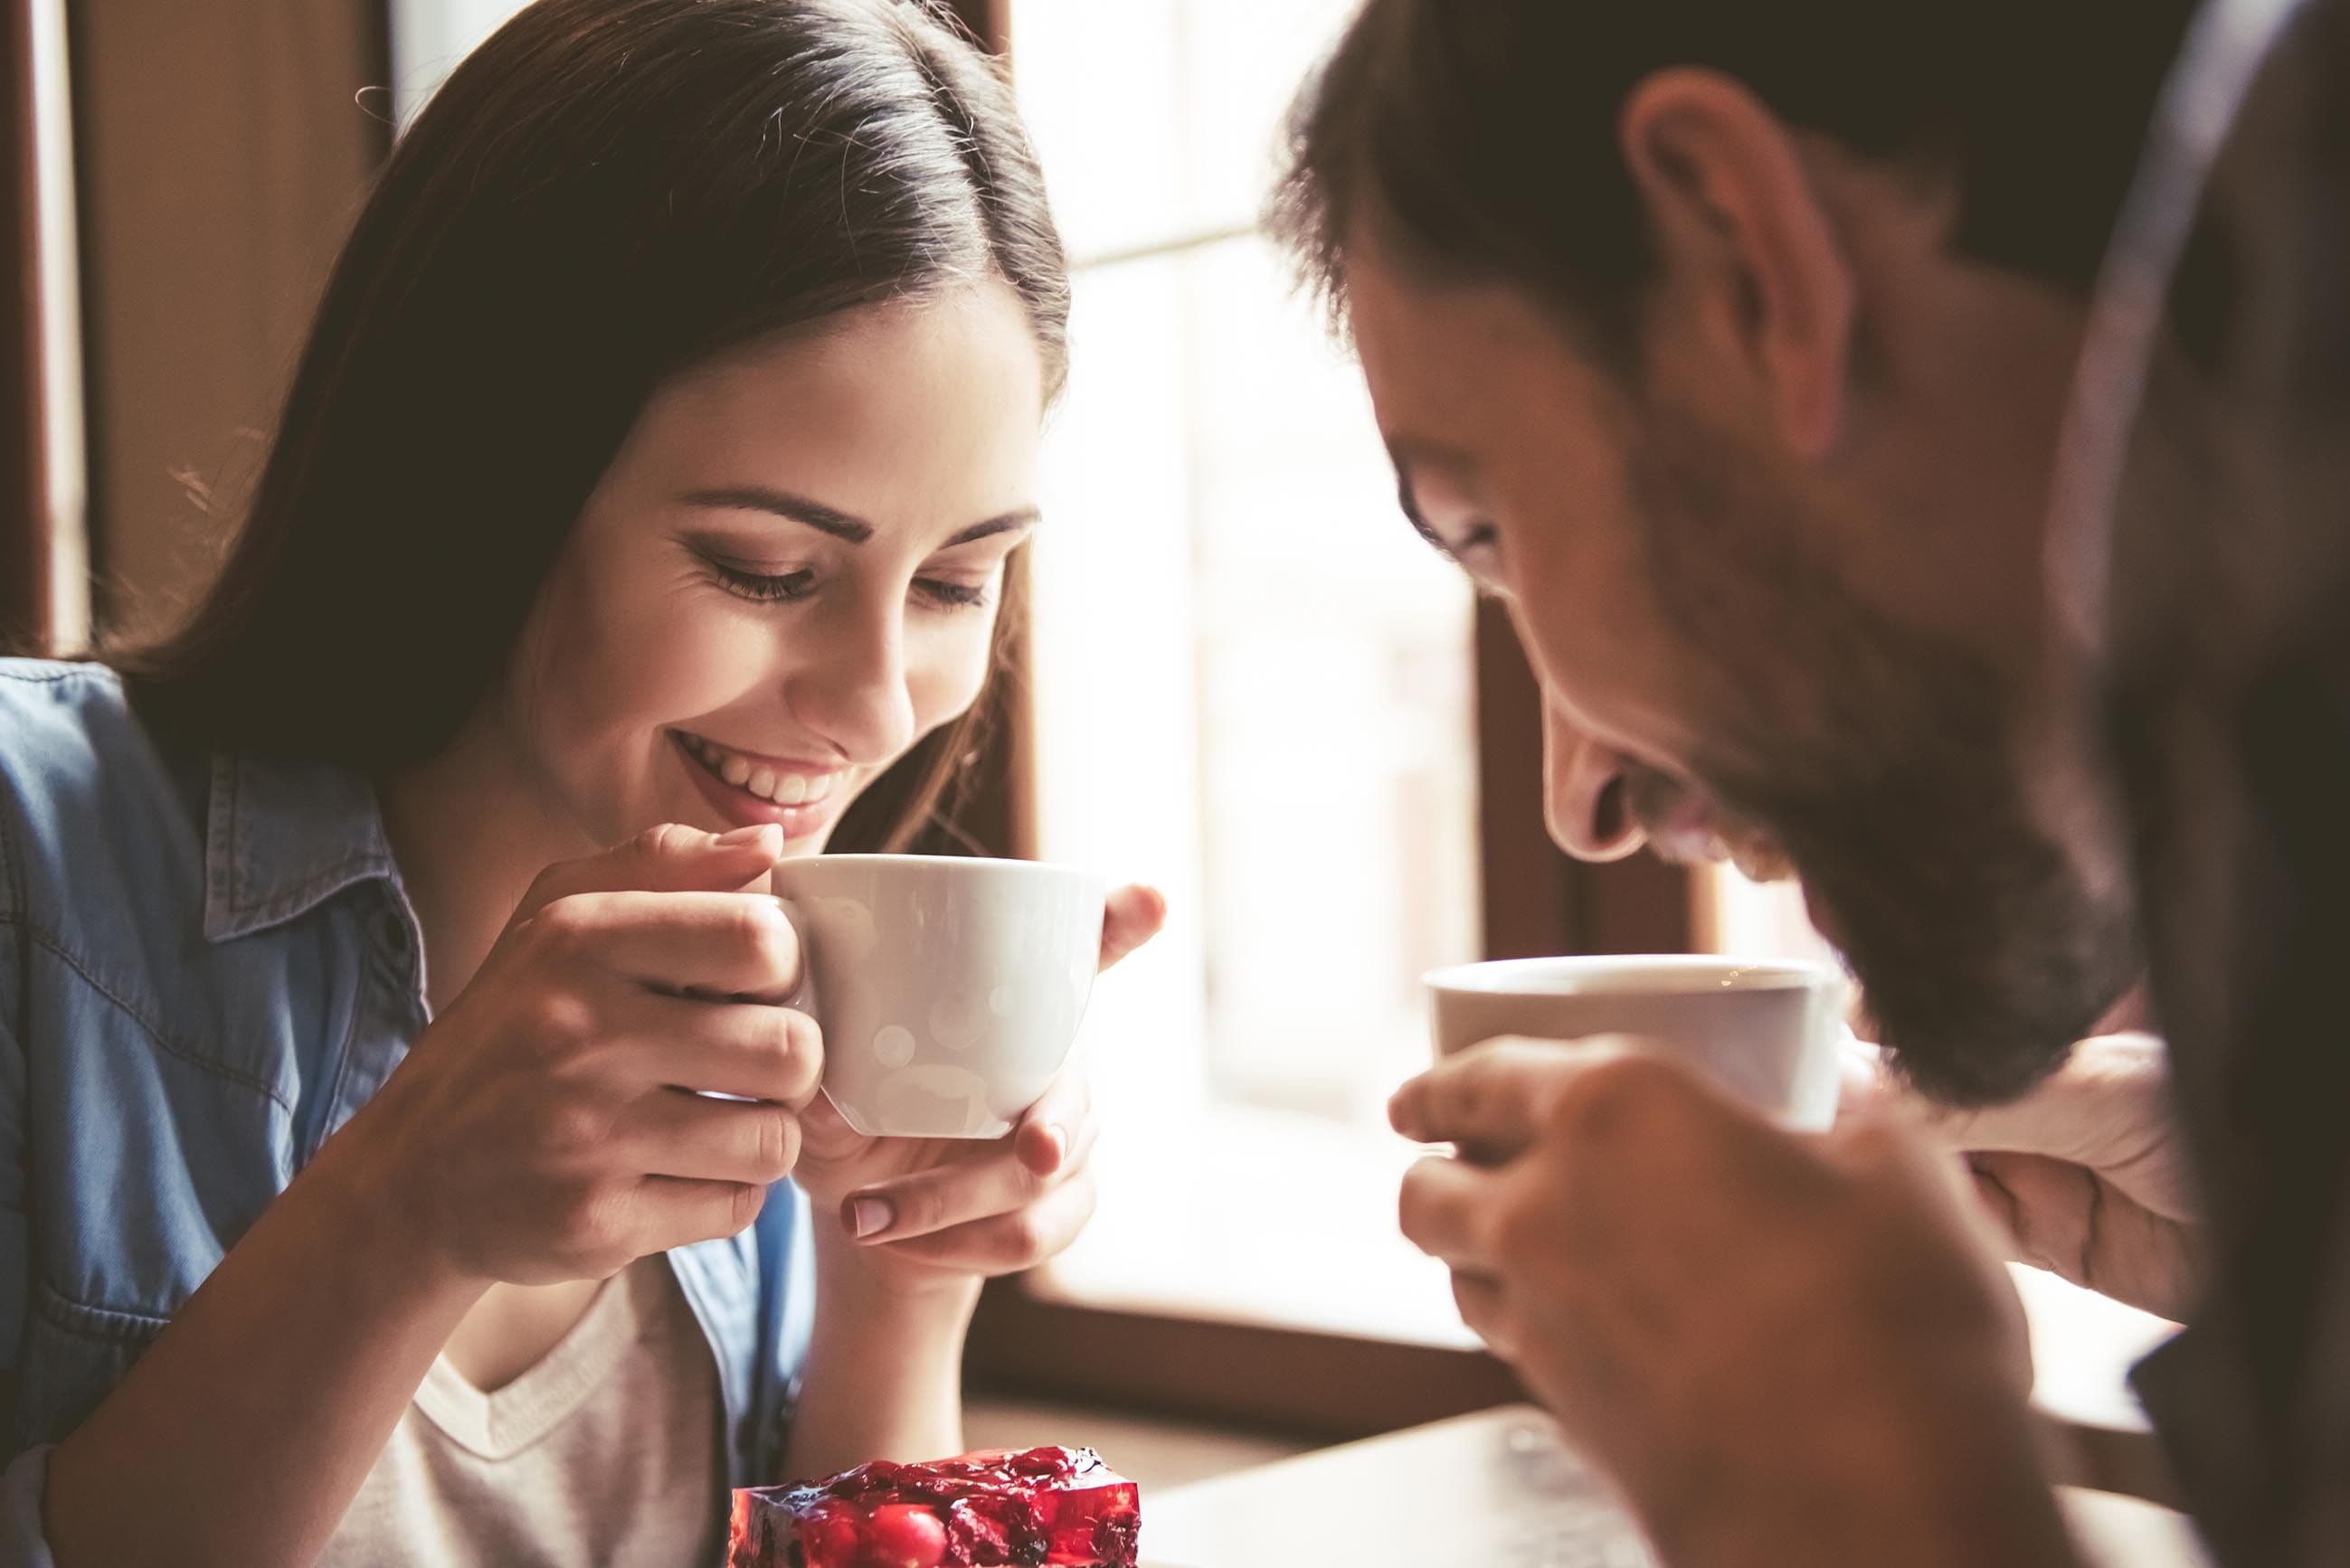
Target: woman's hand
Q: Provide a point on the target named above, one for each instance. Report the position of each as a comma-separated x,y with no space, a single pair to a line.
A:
551,1125
2086,1173
933,1210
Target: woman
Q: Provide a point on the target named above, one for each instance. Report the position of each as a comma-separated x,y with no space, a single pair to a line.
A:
650,479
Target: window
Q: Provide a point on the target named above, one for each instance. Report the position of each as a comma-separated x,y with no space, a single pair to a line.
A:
1253,685
429,37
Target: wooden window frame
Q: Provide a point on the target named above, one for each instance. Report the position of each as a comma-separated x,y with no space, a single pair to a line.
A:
24,541
263,116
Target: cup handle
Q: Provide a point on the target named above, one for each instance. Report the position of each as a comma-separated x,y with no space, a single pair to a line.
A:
803,997
803,1000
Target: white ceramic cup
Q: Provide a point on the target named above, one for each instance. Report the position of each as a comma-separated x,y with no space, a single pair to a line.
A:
948,989
1767,1032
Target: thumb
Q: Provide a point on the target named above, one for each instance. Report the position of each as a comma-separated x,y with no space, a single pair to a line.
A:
670,859
1130,917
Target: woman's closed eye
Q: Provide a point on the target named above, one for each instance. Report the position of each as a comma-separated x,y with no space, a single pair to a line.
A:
948,594
790,588
764,588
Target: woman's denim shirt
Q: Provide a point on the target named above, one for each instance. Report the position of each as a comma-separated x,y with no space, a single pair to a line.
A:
206,965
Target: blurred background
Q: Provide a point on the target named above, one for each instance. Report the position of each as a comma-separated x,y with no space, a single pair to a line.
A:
1247,681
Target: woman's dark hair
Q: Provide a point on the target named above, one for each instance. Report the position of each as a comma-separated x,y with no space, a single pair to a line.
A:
605,193
1480,136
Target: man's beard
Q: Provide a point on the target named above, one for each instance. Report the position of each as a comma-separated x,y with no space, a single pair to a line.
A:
1882,761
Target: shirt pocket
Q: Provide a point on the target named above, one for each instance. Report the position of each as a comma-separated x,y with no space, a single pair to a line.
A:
73,1357
148,1163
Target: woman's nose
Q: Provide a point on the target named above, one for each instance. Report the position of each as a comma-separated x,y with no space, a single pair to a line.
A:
851,688
1586,794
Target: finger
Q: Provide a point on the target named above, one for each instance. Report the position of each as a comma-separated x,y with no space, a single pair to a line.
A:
825,1135
1448,1210
1047,1136
674,1134
1009,1243
1131,917
2062,1220
1863,1083
996,1182
2048,1207
1494,1097
1484,1308
2001,1206
750,1050
719,944
670,1212
669,858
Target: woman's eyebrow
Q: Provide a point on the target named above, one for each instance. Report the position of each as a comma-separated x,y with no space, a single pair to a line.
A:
1011,522
838,524
796,508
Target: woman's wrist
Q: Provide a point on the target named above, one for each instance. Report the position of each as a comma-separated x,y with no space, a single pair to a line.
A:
867,1280
382,1230
884,1375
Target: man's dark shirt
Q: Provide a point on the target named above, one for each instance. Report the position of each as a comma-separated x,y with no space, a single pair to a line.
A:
2228,686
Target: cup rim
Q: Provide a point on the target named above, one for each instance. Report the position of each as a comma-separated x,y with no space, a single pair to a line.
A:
936,861
1494,977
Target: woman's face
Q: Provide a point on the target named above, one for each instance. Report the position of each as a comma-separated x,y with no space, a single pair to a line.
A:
789,575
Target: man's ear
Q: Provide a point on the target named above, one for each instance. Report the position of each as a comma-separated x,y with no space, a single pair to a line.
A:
1733,212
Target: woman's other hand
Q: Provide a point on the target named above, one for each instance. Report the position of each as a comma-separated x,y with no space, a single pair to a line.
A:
923,1210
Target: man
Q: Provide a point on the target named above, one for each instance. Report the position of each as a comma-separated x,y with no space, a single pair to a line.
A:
1729,344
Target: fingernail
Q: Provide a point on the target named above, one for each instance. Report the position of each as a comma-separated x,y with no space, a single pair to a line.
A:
1056,1138
870,1216
751,835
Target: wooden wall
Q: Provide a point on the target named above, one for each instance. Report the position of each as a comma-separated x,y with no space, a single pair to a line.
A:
223,149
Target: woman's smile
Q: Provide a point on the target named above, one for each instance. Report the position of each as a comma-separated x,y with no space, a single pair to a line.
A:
748,789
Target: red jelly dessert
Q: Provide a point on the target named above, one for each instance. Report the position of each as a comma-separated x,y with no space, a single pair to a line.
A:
1046,1508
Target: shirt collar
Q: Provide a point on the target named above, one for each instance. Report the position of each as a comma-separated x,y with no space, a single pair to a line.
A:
282,838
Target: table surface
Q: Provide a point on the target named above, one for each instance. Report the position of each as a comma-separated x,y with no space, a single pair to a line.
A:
1498,1489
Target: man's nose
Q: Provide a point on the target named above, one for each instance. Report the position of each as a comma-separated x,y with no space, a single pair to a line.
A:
1586,797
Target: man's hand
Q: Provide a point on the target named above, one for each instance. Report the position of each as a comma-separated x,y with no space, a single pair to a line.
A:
2085,1172
1782,1349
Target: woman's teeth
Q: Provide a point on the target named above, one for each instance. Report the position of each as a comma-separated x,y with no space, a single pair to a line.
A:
754,778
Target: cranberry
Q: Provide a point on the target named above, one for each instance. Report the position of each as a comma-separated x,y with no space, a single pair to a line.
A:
906,1535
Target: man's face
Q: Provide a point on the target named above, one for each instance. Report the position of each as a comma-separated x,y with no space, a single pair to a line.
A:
1821,666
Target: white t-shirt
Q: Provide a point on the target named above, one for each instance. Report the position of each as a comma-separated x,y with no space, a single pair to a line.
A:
607,1451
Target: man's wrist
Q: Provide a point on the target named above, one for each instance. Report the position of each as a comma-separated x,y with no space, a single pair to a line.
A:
1949,1483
